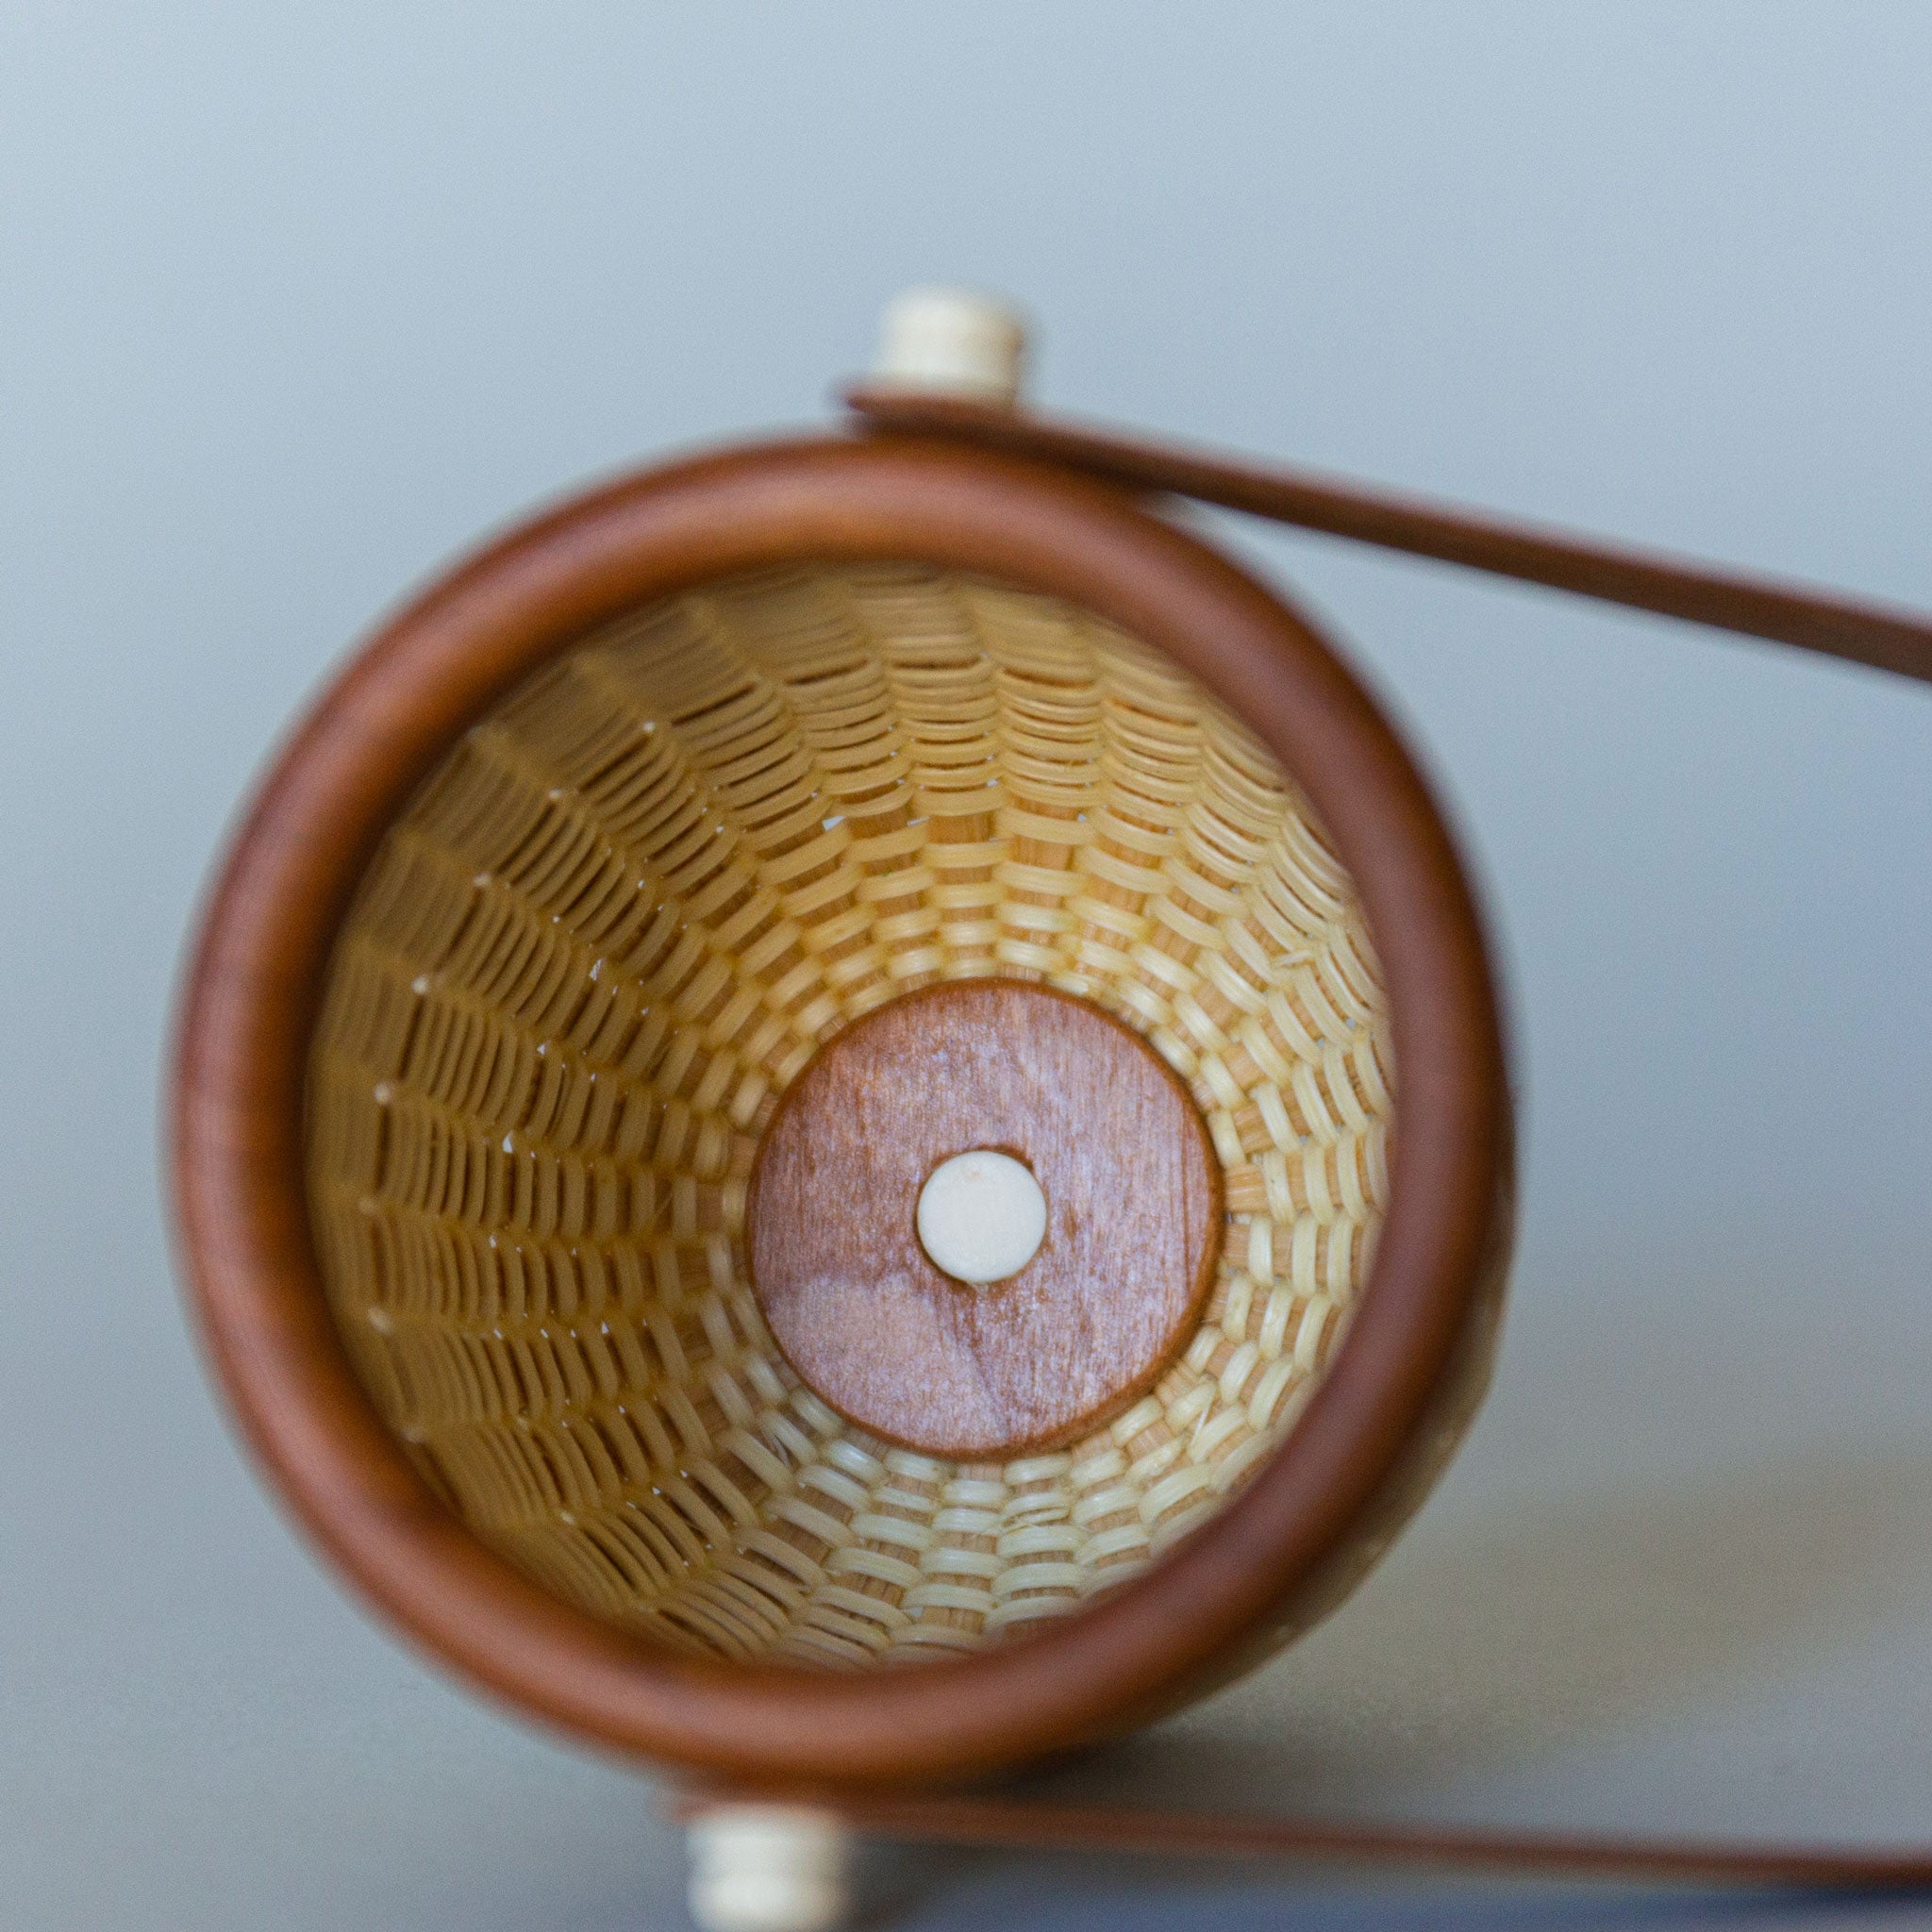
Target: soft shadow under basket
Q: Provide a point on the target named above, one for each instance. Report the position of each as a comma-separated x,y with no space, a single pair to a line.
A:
640,920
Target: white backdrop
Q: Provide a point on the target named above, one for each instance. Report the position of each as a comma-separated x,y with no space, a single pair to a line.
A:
296,301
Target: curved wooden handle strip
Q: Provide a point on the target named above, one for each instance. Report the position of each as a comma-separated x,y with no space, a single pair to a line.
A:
1012,1821
1888,639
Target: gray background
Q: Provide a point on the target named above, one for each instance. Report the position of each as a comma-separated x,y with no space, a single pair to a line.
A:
296,301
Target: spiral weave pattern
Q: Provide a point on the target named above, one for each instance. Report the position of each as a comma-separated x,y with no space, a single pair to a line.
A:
618,921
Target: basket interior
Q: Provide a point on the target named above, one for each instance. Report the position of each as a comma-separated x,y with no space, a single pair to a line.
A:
616,923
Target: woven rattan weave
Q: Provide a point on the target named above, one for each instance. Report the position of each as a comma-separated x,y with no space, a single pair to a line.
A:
615,925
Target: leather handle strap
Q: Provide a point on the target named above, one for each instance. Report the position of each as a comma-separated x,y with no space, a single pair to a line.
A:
1015,1822
1898,641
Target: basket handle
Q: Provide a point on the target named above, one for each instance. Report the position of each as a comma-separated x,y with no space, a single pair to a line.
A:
1897,640
1893,639
1013,1820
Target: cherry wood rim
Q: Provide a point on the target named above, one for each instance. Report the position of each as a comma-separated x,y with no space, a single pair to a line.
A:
252,992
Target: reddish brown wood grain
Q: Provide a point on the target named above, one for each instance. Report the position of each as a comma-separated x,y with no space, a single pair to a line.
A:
1133,1219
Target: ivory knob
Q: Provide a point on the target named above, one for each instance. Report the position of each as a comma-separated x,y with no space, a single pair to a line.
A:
769,1868
953,341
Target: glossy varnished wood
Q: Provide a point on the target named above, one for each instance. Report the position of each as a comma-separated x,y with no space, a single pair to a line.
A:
1813,620
247,1017
1133,1203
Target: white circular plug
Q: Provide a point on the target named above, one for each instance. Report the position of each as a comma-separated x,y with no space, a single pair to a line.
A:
981,1216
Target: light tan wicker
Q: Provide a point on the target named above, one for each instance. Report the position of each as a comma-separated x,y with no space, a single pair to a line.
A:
616,925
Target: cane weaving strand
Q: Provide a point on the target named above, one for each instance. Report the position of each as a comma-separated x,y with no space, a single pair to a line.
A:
614,926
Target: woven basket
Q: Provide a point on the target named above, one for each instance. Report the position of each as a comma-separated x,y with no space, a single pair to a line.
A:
564,885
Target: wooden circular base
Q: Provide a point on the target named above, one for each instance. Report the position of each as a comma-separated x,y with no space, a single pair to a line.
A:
1133,1209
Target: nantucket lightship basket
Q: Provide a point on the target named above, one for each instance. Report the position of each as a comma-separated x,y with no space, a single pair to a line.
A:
611,959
